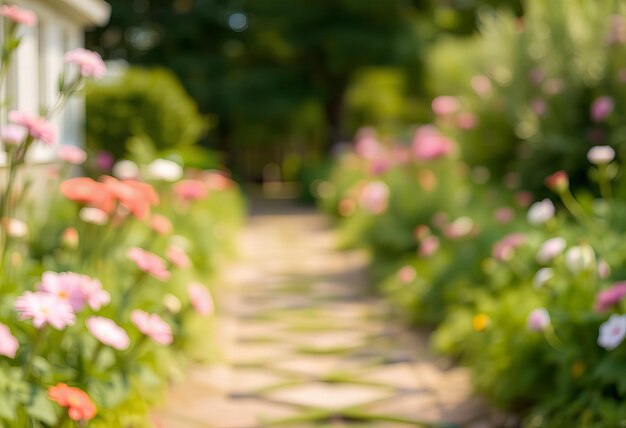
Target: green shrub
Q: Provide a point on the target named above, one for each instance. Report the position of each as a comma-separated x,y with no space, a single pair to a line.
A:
146,103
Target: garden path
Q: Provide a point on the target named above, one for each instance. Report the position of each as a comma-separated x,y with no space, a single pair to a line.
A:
307,345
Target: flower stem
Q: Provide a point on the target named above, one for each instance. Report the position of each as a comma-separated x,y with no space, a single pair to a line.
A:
37,341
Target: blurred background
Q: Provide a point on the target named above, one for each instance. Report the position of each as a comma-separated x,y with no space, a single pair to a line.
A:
271,87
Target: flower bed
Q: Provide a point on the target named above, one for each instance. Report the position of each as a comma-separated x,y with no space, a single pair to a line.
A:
104,282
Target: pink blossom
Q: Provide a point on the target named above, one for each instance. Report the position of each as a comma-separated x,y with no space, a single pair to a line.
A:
429,246
38,127
149,263
104,160
152,326
190,190
178,257
466,120
8,343
504,215
481,85
108,332
550,249
610,297
459,228
407,274
428,144
76,289
539,107
200,298
536,76
504,249
71,154
604,270
18,15
374,197
379,166
366,144
90,63
538,320
45,308
445,105
601,108
13,135
161,224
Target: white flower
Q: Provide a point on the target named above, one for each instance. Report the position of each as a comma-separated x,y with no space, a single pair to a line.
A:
550,249
172,303
165,170
541,212
612,332
17,228
542,276
580,258
600,155
538,320
93,215
126,170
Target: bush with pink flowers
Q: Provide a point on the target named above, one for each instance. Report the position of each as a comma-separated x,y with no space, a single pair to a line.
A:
104,281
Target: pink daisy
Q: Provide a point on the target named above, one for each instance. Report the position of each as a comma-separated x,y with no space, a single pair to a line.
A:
18,15
149,263
38,127
152,326
178,257
44,308
108,332
200,298
8,343
90,63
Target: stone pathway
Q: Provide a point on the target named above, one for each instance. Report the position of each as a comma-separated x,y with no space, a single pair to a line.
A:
307,345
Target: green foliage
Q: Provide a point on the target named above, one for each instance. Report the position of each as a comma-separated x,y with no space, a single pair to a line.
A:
143,103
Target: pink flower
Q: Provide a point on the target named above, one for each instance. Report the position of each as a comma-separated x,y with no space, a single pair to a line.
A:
161,224
200,298
601,155
481,85
466,120
504,249
152,326
429,144
538,320
407,274
366,144
18,15
429,246
601,108
190,190
550,249
44,308
13,135
539,107
178,257
504,215
71,154
374,197
8,343
459,228
108,332
610,297
75,289
90,63
38,127
445,105
149,263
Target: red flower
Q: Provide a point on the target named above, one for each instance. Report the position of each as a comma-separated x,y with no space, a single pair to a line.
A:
89,192
559,181
79,405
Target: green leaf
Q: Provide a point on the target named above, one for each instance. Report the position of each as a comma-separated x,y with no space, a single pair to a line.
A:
41,408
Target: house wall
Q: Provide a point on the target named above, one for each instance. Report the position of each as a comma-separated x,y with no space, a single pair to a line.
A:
38,63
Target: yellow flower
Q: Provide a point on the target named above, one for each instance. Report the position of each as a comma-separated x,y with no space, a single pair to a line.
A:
578,368
480,322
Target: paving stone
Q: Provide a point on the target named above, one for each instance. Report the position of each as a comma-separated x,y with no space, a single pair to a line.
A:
329,396
418,407
229,413
249,354
402,375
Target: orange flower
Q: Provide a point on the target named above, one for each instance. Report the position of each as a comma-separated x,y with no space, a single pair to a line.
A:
87,191
79,406
135,196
